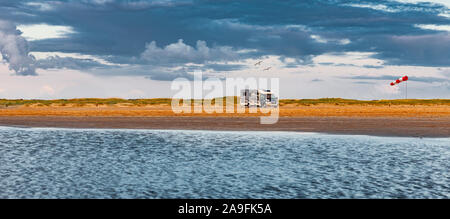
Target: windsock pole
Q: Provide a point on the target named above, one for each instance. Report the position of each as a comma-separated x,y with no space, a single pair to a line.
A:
406,84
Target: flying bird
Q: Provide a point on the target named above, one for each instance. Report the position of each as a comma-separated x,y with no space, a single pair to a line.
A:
258,63
267,68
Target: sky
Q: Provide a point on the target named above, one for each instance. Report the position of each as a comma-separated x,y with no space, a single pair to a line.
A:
134,49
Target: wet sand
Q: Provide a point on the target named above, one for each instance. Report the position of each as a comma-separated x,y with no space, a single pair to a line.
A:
379,126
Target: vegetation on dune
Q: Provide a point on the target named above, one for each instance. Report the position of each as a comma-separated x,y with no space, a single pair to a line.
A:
167,101
340,101
85,101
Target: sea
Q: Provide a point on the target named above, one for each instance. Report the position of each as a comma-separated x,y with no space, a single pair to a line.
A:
120,163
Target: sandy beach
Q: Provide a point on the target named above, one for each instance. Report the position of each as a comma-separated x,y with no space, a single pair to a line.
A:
402,120
379,126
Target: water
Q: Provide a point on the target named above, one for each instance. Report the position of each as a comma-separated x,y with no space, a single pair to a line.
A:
70,163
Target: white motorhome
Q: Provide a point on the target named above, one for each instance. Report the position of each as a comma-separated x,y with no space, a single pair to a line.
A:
258,98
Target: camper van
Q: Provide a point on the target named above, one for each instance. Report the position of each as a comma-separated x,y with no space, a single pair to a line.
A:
258,98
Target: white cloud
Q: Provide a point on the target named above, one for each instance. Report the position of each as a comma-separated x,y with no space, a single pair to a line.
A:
447,15
44,31
344,41
14,50
386,8
42,6
434,27
321,39
349,58
379,7
46,55
99,1
443,2
180,52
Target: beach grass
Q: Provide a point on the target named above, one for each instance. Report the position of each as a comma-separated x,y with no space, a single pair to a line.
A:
84,101
163,107
340,101
167,101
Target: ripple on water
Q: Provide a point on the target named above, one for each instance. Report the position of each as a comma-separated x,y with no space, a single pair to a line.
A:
83,163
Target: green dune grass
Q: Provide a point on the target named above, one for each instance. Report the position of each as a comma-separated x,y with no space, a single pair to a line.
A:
340,101
167,101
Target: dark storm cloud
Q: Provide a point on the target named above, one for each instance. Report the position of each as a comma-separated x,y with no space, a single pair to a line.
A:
123,30
419,50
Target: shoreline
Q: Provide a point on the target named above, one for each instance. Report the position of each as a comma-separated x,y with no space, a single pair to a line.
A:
438,127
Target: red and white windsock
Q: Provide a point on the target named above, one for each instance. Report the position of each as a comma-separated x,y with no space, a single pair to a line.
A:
400,80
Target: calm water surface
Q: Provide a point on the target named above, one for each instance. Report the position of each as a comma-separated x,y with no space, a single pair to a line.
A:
94,163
